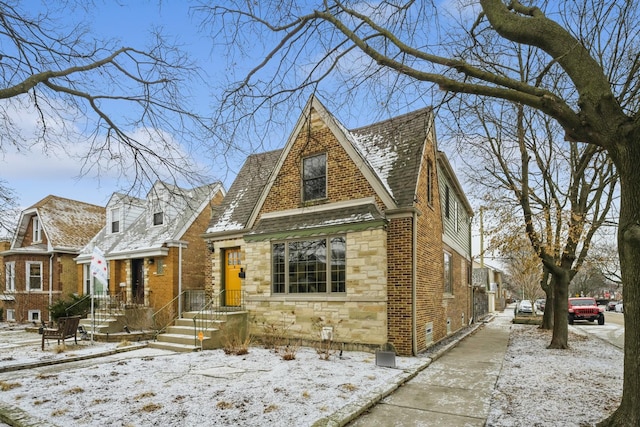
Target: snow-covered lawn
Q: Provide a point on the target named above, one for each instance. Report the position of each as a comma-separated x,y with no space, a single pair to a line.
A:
543,387
536,387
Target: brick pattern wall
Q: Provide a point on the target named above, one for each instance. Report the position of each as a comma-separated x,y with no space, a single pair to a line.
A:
344,179
429,257
400,283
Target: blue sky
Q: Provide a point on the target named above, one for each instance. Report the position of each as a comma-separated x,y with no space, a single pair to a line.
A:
35,174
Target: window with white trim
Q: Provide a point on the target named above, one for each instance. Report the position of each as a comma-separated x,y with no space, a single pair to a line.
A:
158,218
34,316
115,220
11,315
10,276
34,275
448,273
37,230
314,177
309,266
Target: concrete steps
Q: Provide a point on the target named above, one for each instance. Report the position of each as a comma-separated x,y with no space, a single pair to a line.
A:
183,335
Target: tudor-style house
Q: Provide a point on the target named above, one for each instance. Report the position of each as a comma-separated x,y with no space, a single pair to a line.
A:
363,232
39,266
153,246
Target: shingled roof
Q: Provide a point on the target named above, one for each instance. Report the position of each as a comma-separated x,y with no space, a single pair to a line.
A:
389,152
393,148
140,236
67,224
234,212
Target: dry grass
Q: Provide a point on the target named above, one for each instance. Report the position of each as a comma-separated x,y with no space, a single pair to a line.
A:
75,390
150,407
5,386
124,343
144,395
224,405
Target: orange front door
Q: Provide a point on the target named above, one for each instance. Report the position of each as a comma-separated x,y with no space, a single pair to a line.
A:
232,283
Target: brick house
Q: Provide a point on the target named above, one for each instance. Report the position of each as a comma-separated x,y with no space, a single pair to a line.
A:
39,266
153,246
365,233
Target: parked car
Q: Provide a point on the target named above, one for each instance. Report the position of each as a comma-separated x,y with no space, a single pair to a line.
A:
585,309
540,304
619,307
524,306
611,305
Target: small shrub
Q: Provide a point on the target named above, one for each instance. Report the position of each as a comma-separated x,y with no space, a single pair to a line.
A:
234,343
290,351
274,333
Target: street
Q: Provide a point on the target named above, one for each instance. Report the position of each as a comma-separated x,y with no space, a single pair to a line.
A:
612,331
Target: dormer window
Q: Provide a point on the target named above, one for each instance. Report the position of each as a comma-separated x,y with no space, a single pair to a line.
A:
37,230
158,218
115,220
314,177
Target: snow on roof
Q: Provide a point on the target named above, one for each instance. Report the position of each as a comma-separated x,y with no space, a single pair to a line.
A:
67,224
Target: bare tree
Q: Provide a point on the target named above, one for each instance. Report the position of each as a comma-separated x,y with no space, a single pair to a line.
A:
128,107
564,190
403,44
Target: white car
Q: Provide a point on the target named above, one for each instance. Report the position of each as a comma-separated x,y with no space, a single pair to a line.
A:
619,307
524,306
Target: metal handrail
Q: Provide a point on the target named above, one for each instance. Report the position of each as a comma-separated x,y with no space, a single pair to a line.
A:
212,310
165,310
68,309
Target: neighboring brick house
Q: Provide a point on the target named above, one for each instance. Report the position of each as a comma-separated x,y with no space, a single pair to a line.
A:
39,266
153,246
345,229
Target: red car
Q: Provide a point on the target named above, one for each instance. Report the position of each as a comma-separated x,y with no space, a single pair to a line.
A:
585,309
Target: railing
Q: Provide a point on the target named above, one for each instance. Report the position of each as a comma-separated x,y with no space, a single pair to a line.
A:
225,301
167,315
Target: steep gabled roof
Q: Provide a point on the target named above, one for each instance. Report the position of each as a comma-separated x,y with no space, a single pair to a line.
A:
67,224
388,154
234,212
142,238
394,149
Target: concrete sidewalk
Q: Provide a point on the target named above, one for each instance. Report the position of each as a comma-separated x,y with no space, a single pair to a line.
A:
454,390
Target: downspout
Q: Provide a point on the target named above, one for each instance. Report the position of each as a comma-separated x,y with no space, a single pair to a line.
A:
414,292
180,281
50,284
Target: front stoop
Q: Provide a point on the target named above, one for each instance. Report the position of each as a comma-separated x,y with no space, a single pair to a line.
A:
183,336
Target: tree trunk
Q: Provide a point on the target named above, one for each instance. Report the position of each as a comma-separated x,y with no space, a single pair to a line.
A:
560,285
547,315
628,413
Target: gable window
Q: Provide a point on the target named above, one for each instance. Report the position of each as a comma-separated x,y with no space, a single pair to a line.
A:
10,276
430,182
158,218
448,273
314,177
34,275
37,230
115,220
309,266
